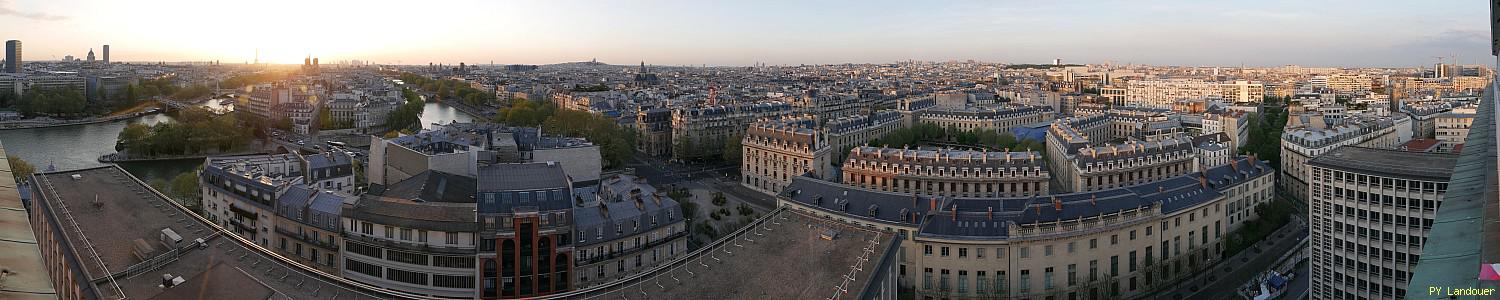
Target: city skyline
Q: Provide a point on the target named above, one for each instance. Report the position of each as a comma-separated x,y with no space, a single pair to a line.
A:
1335,33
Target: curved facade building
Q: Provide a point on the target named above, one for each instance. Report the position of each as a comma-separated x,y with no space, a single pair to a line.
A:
948,173
1111,243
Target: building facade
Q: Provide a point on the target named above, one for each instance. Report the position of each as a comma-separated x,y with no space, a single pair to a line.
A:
777,150
947,173
1116,243
1371,210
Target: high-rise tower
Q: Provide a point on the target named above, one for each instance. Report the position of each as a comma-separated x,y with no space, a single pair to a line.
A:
13,56
106,54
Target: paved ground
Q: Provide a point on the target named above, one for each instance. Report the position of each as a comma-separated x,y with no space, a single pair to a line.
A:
1229,274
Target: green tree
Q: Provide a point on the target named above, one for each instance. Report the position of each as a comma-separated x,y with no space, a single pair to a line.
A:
185,186
732,150
19,168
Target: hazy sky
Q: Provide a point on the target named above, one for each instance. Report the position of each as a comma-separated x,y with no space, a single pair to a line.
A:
1228,33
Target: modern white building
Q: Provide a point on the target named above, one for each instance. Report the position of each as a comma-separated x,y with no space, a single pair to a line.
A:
1371,209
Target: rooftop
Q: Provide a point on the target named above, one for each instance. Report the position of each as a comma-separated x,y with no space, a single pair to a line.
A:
521,177
124,226
1395,163
793,261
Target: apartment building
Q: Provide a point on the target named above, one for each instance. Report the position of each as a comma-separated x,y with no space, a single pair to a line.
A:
1371,210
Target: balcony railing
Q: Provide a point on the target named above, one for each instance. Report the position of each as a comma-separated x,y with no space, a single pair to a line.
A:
625,252
304,237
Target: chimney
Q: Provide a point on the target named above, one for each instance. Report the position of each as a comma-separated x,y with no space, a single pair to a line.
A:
931,203
955,212
1093,198
1056,204
991,212
1202,181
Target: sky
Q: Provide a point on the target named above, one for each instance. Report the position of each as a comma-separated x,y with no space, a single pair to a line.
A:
1337,33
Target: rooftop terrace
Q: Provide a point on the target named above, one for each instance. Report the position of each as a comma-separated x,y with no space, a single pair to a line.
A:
115,222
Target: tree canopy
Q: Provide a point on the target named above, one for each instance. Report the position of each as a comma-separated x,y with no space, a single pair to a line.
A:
196,131
615,142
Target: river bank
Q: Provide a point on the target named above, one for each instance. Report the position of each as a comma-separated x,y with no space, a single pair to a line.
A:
49,123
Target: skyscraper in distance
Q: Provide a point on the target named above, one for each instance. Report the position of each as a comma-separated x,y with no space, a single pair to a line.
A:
106,54
13,56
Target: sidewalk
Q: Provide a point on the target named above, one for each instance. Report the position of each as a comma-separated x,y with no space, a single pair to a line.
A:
1221,281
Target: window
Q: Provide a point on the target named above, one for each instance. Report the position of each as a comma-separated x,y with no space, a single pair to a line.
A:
1132,235
390,232
1093,270
362,249
1025,281
1114,265
1070,247
456,262
406,276
927,250
406,234
1025,252
927,278
963,281
362,268
367,228
945,252
1072,274
448,281
1047,250
451,238
1093,243
422,236
979,253
1114,239
1047,278
963,252
407,257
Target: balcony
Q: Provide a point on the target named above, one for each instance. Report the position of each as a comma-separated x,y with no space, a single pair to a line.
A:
454,249
304,237
625,252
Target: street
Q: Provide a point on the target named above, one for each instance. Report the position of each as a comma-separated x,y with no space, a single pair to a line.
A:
1231,273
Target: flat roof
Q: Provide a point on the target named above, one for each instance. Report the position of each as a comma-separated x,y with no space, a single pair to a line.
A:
1387,162
790,261
128,210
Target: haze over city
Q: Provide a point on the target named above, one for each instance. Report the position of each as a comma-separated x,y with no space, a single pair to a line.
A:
838,150
1254,33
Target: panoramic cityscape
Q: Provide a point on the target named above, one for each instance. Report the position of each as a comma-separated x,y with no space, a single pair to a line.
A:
749,150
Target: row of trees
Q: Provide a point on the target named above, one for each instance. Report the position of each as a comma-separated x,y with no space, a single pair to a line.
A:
928,133
728,150
408,115
183,188
243,80
196,131
61,101
192,92
1265,135
449,89
615,142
